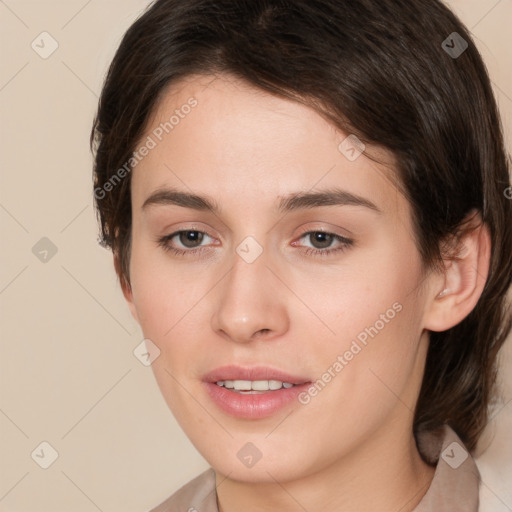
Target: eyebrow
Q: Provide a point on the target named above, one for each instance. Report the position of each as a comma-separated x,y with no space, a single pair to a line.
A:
291,202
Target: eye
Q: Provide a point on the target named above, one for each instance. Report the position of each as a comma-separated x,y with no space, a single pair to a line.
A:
187,241
322,243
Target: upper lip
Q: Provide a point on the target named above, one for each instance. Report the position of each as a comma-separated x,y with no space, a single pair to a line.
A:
252,373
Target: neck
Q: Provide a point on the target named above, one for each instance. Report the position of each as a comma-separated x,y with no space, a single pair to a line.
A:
386,474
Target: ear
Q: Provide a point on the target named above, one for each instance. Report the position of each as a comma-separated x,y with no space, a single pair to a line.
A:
456,291
125,287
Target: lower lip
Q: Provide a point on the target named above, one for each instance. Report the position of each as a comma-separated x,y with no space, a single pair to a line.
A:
253,406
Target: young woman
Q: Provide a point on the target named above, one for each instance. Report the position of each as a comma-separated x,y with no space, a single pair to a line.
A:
308,208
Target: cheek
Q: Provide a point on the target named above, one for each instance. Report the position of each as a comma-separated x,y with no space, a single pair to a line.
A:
365,379
171,304
161,293
367,282
165,301
371,334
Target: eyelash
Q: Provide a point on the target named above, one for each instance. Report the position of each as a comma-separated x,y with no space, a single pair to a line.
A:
345,243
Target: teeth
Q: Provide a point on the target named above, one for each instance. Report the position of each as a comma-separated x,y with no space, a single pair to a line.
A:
259,385
242,385
275,384
254,385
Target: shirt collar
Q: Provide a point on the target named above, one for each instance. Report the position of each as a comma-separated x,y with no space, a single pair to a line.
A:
455,485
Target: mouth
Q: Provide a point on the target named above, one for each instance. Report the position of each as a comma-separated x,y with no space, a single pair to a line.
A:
253,392
254,386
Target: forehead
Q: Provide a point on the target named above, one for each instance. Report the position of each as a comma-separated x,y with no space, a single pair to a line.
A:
223,137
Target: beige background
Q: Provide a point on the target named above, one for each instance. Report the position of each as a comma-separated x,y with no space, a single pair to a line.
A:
68,373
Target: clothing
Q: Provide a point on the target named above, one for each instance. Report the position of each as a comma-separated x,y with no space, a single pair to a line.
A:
454,487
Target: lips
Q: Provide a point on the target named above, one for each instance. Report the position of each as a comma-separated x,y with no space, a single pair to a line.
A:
254,392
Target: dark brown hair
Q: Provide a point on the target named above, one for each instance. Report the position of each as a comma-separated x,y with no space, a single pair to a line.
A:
393,73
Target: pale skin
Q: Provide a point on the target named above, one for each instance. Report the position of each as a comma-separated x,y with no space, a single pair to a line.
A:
351,448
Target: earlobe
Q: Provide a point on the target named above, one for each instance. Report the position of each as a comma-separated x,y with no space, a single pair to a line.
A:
465,276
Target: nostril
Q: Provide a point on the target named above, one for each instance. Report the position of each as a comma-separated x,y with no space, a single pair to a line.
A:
261,332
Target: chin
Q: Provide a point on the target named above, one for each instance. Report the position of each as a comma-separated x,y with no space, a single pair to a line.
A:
249,464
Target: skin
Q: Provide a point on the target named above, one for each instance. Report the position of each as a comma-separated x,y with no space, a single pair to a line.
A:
351,447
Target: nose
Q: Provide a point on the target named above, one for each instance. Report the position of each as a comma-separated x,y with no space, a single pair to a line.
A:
250,303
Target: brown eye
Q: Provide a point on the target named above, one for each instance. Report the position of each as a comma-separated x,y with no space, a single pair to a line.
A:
184,242
190,238
323,243
321,240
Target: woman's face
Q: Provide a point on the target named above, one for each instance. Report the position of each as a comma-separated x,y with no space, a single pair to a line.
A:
301,269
